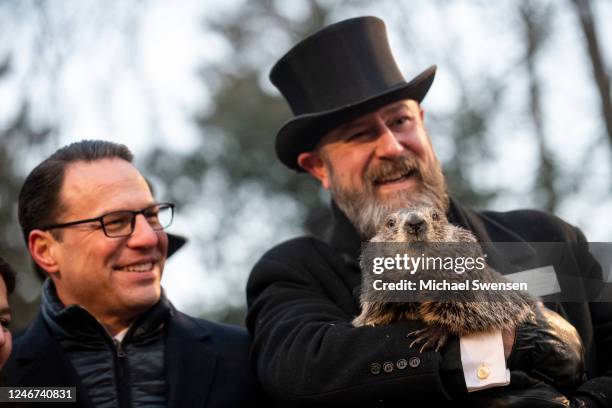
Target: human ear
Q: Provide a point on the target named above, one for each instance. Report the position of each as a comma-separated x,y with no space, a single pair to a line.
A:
42,249
313,164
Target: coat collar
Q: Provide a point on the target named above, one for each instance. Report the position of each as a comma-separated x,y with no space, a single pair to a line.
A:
75,323
344,236
506,250
487,229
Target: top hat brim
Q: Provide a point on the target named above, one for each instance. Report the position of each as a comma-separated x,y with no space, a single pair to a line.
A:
175,242
303,132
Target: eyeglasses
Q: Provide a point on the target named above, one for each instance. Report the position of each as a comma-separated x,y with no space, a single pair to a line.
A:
118,224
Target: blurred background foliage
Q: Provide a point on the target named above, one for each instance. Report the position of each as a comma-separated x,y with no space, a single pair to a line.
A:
497,114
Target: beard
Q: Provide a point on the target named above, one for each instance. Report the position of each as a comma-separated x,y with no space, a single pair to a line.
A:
367,211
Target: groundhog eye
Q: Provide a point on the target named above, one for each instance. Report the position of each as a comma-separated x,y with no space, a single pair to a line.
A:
390,223
434,216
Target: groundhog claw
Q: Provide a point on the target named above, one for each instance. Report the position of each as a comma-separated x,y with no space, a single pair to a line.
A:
429,336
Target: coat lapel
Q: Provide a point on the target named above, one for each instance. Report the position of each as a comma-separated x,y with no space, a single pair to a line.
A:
506,251
190,362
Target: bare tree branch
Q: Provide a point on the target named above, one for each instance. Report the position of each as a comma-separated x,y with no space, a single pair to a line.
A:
602,80
536,30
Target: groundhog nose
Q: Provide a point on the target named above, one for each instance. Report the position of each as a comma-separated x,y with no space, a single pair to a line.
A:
414,224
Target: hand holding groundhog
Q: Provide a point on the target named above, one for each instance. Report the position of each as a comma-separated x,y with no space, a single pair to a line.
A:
538,341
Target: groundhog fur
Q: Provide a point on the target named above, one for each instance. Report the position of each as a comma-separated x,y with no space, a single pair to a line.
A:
473,312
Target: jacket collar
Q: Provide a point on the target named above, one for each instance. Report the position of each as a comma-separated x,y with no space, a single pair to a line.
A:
344,236
505,249
75,322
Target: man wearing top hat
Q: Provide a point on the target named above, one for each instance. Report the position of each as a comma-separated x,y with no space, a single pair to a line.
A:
358,129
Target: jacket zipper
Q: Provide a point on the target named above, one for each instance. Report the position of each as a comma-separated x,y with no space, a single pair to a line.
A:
120,357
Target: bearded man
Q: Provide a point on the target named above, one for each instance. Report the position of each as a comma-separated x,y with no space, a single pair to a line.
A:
359,130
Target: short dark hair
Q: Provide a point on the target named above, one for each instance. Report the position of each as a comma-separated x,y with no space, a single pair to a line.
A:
8,275
39,203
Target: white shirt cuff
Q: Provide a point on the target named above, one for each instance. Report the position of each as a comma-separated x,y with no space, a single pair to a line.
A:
482,358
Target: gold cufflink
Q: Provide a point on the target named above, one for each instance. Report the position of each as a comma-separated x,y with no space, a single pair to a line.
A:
483,372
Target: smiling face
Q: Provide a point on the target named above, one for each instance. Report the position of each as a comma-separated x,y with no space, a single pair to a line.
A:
115,279
379,163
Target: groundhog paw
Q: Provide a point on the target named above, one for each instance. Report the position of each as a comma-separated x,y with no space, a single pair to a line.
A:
428,338
364,320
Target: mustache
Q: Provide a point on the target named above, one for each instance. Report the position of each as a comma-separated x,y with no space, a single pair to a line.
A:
366,211
393,169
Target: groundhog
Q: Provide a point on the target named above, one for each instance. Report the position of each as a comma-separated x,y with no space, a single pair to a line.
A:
468,312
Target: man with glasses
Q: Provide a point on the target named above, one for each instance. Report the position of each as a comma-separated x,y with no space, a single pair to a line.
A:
92,226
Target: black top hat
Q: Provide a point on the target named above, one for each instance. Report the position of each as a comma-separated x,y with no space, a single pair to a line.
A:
337,74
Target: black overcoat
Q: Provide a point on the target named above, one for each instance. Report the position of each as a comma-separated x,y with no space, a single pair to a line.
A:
303,294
